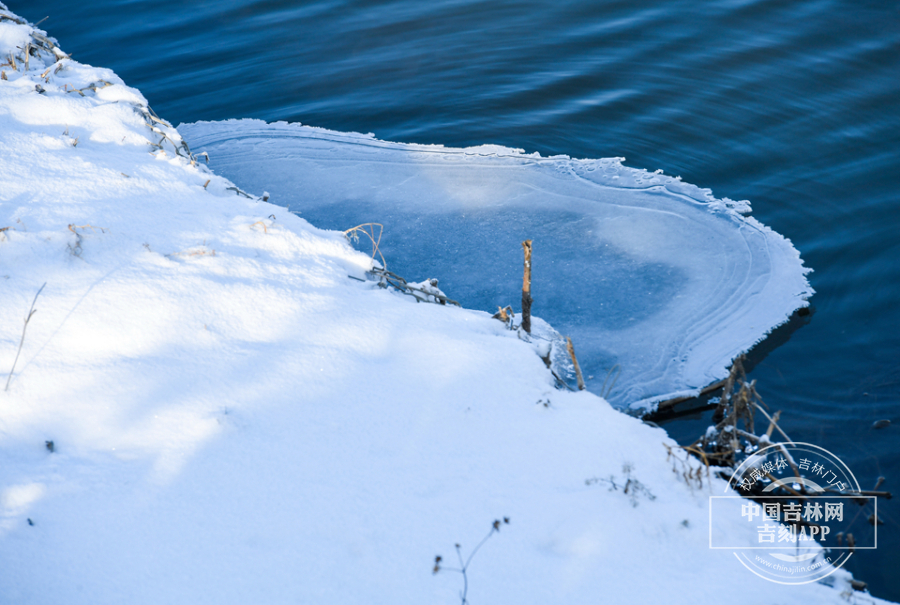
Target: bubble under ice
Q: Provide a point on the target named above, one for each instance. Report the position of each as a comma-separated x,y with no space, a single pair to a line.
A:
640,269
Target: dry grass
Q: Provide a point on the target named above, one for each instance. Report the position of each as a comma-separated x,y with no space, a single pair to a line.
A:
76,250
353,234
683,467
193,253
73,228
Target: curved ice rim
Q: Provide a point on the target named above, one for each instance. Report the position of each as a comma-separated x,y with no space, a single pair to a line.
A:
606,173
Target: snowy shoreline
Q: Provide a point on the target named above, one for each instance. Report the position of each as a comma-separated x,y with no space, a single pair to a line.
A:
234,420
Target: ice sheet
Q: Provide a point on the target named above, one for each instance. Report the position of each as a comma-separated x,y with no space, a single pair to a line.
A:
643,271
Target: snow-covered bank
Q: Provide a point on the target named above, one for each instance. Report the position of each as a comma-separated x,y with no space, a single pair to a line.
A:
235,421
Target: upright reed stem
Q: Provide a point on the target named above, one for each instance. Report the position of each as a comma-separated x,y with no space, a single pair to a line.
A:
526,288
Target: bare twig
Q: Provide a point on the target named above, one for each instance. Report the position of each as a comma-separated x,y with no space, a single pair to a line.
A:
387,278
578,375
31,312
772,424
773,421
73,227
526,288
11,18
94,86
235,189
738,403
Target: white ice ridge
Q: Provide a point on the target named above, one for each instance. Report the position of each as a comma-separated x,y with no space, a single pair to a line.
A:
643,271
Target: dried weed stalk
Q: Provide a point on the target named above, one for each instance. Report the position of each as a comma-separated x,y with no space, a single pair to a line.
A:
353,235
686,468
733,434
464,565
631,487
28,317
76,250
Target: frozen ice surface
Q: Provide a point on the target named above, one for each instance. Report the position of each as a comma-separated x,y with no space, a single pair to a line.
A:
642,270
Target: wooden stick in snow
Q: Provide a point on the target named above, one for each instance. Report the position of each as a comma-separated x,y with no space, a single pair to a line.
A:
578,375
526,288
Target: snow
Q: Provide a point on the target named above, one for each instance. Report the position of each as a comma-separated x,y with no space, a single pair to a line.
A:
655,280
235,420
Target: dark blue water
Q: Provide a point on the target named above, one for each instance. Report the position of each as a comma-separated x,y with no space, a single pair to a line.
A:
792,105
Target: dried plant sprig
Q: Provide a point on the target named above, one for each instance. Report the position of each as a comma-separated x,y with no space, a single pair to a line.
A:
31,312
464,564
613,372
683,468
73,227
353,234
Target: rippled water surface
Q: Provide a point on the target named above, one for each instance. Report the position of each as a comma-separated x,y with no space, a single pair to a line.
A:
792,105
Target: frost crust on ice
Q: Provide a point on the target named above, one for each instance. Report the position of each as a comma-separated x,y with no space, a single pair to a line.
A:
646,273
